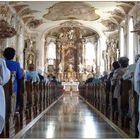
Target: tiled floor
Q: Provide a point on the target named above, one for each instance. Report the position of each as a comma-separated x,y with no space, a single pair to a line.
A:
71,118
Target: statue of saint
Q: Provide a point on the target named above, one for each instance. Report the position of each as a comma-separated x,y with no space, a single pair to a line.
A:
70,69
70,72
60,67
80,68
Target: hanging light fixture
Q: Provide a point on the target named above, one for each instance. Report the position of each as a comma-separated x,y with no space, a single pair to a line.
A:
6,30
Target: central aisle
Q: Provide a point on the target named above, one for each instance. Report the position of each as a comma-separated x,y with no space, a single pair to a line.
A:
70,117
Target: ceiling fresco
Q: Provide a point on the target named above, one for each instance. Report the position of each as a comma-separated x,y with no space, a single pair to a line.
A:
71,10
41,15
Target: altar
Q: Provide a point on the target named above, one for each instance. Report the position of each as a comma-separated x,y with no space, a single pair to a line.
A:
70,86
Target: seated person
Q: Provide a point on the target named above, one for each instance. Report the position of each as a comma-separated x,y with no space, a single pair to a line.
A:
115,81
115,65
53,80
89,79
131,69
137,88
39,74
47,79
14,67
32,74
104,77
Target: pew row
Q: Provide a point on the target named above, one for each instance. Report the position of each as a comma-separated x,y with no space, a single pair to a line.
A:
123,111
32,99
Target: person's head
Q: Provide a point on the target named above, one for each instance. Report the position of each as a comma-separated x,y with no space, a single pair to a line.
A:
137,57
115,65
31,67
123,61
105,73
9,53
53,77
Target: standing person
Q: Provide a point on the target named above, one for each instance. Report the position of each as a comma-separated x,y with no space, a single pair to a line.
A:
13,66
137,87
4,77
116,79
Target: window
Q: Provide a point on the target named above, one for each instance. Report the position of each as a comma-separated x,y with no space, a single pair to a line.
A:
51,53
130,42
89,54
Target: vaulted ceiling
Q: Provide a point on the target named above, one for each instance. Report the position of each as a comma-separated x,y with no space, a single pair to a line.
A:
43,15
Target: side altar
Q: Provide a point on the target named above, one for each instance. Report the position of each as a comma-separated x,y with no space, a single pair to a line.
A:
70,86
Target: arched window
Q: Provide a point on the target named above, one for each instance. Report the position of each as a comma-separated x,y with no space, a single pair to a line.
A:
130,42
89,53
51,53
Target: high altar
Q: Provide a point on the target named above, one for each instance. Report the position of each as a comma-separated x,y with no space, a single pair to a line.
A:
70,62
70,50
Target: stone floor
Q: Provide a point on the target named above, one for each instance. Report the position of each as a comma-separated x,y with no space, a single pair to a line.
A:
70,117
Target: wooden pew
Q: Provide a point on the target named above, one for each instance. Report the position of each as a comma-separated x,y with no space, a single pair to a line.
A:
35,92
20,116
41,92
10,98
133,112
108,109
30,101
123,103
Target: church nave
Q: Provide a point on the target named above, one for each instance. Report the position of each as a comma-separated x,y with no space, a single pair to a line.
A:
69,69
71,117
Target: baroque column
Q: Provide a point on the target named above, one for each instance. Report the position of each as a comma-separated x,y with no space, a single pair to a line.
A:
40,53
20,47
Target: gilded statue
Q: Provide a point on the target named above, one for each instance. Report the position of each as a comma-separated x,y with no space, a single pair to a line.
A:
71,73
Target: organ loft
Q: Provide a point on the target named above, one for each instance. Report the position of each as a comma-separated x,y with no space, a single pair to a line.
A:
69,69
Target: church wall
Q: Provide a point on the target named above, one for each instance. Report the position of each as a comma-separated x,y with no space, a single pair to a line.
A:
135,13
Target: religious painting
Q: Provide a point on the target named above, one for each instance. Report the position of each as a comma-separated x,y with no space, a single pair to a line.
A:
70,58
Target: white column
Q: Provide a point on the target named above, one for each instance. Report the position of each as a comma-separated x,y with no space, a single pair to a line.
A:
7,42
130,41
121,43
98,52
40,42
20,47
102,48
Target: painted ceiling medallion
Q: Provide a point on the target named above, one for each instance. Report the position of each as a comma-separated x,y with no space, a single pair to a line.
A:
71,10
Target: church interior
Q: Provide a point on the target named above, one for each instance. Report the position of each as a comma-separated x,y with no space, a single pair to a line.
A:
86,55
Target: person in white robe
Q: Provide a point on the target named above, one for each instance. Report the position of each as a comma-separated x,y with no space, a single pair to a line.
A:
4,78
137,87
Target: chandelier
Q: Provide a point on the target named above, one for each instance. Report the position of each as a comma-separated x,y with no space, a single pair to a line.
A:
6,30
